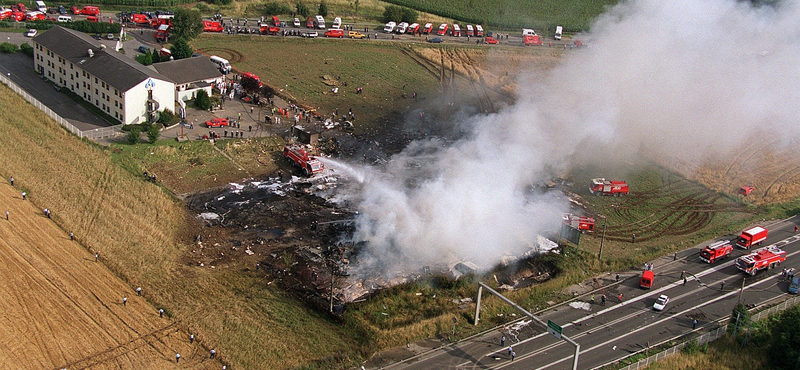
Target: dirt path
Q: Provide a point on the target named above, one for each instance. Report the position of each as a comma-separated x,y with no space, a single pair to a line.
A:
61,309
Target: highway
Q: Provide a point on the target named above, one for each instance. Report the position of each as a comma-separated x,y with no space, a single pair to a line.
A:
609,333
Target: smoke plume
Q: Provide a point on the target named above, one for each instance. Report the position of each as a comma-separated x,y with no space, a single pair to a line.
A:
684,79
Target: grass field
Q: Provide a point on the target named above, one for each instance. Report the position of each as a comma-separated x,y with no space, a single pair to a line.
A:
143,236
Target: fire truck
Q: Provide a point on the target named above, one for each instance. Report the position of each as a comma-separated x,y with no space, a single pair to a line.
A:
268,29
162,33
581,223
300,157
212,26
765,258
715,251
752,236
601,186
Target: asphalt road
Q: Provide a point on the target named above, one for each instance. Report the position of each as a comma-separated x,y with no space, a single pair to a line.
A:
611,332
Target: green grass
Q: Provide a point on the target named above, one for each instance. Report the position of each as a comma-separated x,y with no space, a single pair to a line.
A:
296,66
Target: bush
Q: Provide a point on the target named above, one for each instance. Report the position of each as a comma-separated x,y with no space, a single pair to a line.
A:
202,101
8,47
27,49
166,117
134,135
273,8
392,13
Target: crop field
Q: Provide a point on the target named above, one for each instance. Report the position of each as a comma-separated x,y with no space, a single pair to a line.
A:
574,15
144,237
61,309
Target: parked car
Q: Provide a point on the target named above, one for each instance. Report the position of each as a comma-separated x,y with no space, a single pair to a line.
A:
142,49
296,22
31,32
217,122
62,9
794,286
435,40
491,40
110,36
661,302
311,34
355,35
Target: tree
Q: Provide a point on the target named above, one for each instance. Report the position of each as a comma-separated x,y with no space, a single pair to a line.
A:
355,6
153,132
409,15
392,13
8,47
202,101
323,8
25,48
186,23
302,9
273,8
180,49
134,135
785,342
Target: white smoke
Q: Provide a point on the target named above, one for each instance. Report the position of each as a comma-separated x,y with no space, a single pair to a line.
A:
683,78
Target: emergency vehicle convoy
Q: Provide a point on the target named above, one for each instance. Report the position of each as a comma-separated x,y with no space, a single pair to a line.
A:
752,236
601,186
300,157
716,251
762,259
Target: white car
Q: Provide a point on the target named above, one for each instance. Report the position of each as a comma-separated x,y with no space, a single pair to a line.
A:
310,34
661,302
296,22
31,32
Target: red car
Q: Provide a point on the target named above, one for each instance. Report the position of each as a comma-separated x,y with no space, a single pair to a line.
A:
491,40
217,122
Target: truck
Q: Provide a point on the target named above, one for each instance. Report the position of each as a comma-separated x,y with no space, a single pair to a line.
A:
250,82
162,33
601,186
90,10
762,259
269,29
716,251
319,21
478,30
442,30
529,40
301,158
559,31
139,18
389,27
222,64
752,236
212,26
456,30
40,6
582,223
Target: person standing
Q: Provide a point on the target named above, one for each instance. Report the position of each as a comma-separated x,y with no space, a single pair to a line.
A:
139,291
213,353
124,301
684,281
11,180
191,338
177,357
503,341
603,299
510,350
513,354
620,298
161,312
24,195
694,324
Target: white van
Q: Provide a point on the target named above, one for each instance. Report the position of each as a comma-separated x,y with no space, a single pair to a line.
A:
41,7
401,28
557,36
64,18
389,27
337,22
320,22
223,64
528,32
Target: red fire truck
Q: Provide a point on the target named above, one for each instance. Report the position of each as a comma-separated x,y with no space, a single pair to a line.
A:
581,223
715,251
300,157
162,33
268,29
765,258
601,186
212,26
752,236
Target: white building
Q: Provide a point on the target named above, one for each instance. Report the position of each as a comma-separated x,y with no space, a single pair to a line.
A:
115,83
190,75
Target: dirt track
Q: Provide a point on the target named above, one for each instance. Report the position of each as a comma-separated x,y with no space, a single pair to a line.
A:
61,309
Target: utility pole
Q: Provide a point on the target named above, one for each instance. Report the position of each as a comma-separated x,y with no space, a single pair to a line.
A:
602,240
740,293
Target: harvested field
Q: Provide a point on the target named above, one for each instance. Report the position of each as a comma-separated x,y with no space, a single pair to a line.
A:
61,309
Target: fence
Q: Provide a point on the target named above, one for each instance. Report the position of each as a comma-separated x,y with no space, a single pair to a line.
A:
708,337
93,134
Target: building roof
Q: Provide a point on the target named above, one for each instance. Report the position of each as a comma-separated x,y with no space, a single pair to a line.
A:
117,70
188,70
